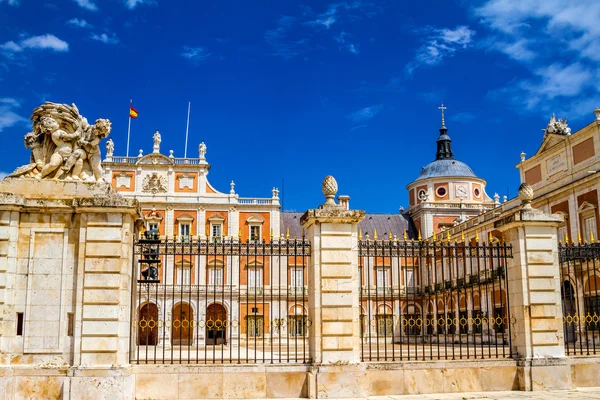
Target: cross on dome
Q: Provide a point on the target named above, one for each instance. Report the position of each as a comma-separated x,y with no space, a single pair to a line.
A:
443,108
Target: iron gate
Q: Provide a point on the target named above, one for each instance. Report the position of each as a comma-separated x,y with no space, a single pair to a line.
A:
434,300
220,301
580,285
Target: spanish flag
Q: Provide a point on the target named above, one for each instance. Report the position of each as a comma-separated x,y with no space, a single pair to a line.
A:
133,113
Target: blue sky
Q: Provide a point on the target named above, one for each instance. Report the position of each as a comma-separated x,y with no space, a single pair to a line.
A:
299,90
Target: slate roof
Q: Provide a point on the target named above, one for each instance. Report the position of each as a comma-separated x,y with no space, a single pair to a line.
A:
384,223
446,168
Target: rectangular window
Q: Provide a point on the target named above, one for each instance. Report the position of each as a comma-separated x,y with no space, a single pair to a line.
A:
19,324
215,276
70,323
385,325
296,277
255,277
562,233
184,231
592,307
255,326
215,231
153,227
589,226
297,326
255,233
183,275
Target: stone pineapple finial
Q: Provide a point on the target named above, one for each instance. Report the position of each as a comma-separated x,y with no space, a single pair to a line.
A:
526,195
329,189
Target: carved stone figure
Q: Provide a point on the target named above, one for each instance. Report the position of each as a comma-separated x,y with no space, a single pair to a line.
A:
157,139
154,183
557,127
110,148
63,145
202,151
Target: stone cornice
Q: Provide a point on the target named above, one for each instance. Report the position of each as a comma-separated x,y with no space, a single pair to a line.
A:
337,215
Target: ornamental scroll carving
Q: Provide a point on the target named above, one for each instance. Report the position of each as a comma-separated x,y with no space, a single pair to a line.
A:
64,146
154,183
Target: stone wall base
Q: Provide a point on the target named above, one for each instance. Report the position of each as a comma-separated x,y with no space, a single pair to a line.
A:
169,382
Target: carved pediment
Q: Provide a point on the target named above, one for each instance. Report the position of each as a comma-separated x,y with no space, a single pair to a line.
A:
550,141
154,159
154,183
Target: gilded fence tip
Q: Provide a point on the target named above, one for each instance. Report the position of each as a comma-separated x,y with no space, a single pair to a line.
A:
360,235
420,238
375,234
405,235
287,233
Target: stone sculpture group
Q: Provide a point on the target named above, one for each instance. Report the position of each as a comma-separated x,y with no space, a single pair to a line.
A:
63,145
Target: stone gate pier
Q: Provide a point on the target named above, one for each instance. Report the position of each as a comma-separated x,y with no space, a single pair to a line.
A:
65,279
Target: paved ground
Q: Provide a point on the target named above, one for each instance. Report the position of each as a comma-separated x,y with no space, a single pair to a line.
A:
583,393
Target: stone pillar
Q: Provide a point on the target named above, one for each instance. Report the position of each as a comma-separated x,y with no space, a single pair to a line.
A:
66,262
535,297
333,282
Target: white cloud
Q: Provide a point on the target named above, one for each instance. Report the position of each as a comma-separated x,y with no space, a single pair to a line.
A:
131,4
334,12
558,44
87,4
104,38
281,43
79,23
10,2
439,44
8,116
41,42
195,54
344,40
365,114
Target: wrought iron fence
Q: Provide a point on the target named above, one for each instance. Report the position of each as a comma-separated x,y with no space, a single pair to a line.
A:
433,300
220,301
580,294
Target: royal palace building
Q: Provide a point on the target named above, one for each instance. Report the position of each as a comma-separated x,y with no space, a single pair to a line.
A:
263,289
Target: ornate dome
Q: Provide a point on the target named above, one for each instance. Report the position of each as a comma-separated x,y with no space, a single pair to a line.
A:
446,168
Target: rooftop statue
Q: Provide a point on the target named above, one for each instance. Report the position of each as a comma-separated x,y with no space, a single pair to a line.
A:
557,127
64,146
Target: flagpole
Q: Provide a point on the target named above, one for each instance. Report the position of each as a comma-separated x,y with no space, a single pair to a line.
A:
187,127
129,126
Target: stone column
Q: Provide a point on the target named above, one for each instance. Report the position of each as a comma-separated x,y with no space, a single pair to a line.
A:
534,297
333,282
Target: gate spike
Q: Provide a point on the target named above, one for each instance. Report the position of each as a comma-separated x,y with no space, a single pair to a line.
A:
303,233
405,235
390,235
287,233
490,237
375,234
462,236
579,237
434,237
566,238
476,237
239,233
420,238
591,237
360,234
448,235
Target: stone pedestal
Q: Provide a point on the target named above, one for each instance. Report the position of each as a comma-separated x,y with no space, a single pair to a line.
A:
534,297
334,285
66,256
